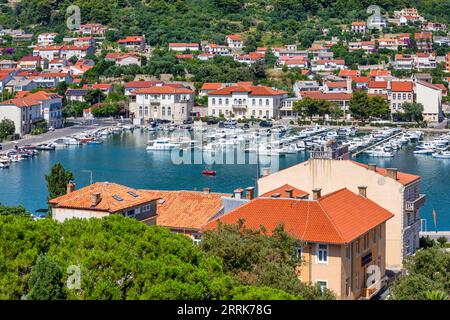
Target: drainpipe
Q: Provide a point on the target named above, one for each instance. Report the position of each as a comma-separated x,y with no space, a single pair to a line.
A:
310,263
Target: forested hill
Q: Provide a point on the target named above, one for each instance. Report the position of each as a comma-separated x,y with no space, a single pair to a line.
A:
194,20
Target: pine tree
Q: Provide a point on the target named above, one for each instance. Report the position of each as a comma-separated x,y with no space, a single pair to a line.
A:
57,181
46,280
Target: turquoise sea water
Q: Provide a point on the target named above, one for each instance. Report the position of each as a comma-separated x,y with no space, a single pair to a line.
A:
123,159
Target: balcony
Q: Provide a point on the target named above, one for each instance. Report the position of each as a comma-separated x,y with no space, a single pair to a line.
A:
415,204
368,293
239,106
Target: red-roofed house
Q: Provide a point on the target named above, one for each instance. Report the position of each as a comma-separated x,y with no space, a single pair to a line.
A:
207,87
342,234
162,102
395,191
183,46
134,85
235,41
123,59
424,41
424,60
378,87
133,43
246,101
250,58
359,26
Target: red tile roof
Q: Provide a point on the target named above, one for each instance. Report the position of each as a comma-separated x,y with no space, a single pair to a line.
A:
211,86
82,198
142,84
402,86
284,194
339,217
348,73
131,39
380,72
336,84
378,84
185,209
403,178
235,37
21,102
252,91
163,90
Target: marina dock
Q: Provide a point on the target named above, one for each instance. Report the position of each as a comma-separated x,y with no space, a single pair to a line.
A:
356,153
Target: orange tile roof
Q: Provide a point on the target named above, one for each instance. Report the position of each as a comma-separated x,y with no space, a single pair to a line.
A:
402,177
358,23
378,84
43,95
283,194
185,209
339,217
162,90
142,84
252,90
131,39
211,86
348,73
82,198
361,79
401,86
336,84
380,72
235,37
21,102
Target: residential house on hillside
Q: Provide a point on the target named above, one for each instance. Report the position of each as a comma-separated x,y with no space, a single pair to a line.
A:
46,39
123,59
359,26
400,93
234,41
182,46
133,43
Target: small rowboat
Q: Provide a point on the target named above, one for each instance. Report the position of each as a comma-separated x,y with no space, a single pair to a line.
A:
209,172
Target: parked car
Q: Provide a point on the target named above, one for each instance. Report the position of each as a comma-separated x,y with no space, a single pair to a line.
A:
188,122
51,129
246,126
265,124
212,121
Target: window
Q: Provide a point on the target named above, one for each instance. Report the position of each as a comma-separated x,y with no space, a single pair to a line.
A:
322,284
357,280
366,241
220,101
163,111
226,101
298,252
374,235
213,100
146,110
348,251
380,229
253,101
267,102
169,111
260,102
347,287
182,110
322,253
358,251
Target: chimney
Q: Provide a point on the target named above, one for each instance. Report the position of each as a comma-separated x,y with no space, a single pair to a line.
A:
250,191
70,187
238,193
206,190
290,192
392,173
276,195
349,85
372,167
266,172
316,193
96,198
362,191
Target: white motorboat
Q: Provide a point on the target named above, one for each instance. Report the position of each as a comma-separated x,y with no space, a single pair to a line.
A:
162,144
442,155
423,150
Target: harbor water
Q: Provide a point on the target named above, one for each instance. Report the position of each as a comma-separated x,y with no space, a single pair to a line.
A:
123,159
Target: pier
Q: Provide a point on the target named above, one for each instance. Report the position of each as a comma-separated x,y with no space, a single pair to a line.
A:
356,153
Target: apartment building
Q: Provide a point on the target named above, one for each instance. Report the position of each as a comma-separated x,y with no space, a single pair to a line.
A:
395,191
161,102
246,101
424,60
424,41
403,62
51,107
430,96
24,112
399,93
341,235
92,29
378,87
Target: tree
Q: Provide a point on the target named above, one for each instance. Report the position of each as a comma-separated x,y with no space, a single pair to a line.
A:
256,259
57,181
94,96
74,108
7,128
379,107
413,111
307,107
359,105
16,211
46,280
